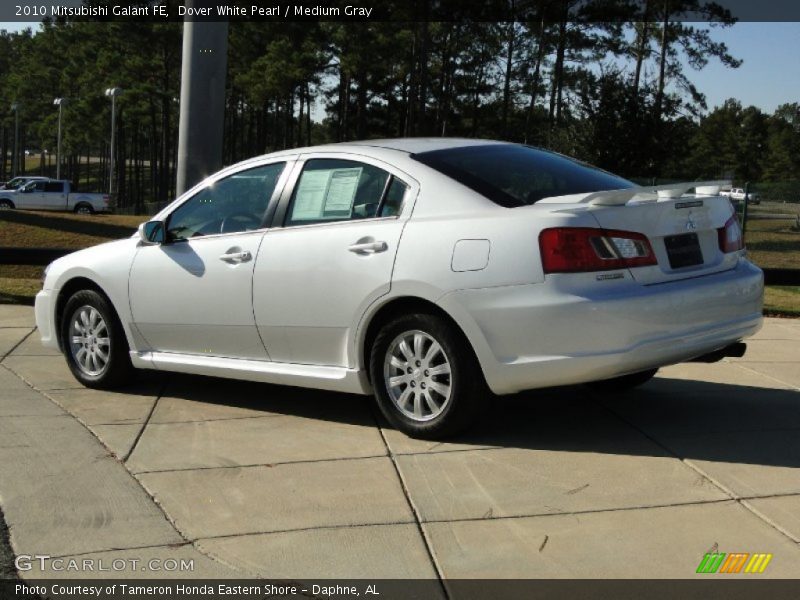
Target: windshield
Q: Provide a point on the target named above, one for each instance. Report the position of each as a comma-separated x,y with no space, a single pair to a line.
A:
514,175
15,183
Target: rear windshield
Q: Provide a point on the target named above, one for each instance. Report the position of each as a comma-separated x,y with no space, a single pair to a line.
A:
514,175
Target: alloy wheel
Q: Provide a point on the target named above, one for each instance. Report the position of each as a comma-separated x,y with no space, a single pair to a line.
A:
90,344
417,375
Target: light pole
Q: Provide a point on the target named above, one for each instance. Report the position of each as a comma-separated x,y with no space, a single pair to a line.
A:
59,102
112,93
202,112
15,158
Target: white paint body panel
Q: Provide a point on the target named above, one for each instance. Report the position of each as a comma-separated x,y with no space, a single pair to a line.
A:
297,314
310,290
470,255
185,299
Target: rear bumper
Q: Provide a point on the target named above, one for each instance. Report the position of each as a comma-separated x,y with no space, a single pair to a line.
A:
575,329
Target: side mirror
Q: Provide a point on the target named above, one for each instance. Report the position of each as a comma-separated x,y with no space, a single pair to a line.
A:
152,233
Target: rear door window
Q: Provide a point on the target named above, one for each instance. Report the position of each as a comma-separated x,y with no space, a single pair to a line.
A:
331,190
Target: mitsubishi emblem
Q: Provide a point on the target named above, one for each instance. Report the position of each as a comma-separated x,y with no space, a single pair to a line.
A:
690,226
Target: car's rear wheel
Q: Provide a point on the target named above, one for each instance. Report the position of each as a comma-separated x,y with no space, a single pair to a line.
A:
84,209
94,342
426,378
6,205
623,383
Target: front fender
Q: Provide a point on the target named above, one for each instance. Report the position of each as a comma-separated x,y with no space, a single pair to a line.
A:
107,266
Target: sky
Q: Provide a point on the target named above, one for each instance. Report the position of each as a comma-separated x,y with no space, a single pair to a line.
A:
768,77
770,74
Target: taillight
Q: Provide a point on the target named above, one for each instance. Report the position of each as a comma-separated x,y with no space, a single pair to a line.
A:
581,249
730,236
106,198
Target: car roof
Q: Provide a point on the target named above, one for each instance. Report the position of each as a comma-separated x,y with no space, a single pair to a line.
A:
429,144
403,145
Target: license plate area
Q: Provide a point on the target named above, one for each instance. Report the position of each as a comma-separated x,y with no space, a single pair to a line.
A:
683,250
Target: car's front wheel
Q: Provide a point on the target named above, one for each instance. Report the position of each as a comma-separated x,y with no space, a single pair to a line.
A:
94,342
427,380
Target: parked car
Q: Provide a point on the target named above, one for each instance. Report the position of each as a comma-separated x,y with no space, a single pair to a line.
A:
425,271
53,194
17,182
736,195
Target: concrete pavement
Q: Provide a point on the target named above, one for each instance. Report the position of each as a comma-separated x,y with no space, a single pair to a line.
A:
288,483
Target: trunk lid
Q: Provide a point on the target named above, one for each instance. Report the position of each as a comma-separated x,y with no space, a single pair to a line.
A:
682,228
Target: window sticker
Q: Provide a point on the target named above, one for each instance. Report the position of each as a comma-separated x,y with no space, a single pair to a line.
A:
341,192
326,194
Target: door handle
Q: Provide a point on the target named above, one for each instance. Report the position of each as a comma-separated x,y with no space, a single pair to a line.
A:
369,247
238,257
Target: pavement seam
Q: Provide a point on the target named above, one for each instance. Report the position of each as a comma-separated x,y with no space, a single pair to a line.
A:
261,465
688,462
581,512
766,519
306,461
19,343
146,421
301,529
155,501
465,519
220,419
407,494
752,370
125,549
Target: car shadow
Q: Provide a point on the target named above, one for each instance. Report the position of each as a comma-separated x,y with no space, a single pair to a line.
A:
695,420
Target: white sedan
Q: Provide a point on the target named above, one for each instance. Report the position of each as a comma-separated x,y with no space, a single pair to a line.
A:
426,271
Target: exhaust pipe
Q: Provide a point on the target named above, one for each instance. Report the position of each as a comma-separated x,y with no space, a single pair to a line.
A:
735,350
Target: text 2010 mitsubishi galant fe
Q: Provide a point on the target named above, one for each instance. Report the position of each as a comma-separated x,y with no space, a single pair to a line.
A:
426,271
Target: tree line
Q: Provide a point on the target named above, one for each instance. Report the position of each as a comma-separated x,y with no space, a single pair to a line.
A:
615,93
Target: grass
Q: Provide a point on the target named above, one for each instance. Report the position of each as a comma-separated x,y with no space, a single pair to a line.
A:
773,243
782,301
34,229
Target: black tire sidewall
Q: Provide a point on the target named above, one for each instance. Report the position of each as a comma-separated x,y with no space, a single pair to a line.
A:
466,379
119,366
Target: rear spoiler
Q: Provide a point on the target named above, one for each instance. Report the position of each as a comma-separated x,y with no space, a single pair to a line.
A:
621,197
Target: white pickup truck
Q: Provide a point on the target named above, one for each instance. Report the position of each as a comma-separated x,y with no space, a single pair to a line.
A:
53,194
737,195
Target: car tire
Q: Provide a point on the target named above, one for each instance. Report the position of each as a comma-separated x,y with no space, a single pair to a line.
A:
6,205
84,209
438,387
94,343
623,383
